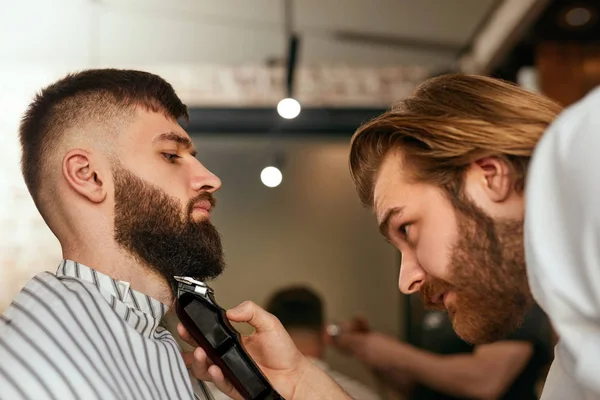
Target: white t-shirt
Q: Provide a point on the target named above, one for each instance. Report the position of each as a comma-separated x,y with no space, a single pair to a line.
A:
562,245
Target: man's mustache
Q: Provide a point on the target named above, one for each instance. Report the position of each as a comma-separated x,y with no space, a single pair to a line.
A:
205,196
431,288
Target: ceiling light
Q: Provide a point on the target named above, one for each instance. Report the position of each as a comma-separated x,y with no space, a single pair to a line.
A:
288,108
271,176
578,17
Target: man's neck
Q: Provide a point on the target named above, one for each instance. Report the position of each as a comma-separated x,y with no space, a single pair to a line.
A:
117,263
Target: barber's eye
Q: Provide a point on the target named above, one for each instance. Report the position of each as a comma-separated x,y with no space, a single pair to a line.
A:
170,157
404,228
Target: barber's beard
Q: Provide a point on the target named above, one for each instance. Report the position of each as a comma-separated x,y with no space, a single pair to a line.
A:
152,226
487,274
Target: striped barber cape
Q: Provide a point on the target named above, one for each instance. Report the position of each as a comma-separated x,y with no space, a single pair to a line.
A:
79,334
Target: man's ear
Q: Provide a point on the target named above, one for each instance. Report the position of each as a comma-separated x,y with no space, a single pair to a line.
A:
83,176
496,176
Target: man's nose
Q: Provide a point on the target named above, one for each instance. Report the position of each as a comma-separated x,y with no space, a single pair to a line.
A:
204,180
412,276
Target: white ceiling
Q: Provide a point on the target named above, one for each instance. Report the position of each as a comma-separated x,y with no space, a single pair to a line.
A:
230,32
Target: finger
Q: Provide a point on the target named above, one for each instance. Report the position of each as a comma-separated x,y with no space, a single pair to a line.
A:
218,379
254,315
200,365
185,335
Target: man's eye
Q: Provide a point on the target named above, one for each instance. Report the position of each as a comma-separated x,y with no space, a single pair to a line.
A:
170,157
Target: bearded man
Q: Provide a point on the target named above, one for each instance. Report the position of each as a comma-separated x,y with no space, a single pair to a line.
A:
493,200
116,179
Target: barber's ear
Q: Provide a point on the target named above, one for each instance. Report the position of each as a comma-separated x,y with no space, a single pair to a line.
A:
83,176
496,177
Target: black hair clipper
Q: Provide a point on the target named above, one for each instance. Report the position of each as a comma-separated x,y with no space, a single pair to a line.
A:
207,323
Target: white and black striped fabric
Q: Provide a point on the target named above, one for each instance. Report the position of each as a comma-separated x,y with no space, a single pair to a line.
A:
80,334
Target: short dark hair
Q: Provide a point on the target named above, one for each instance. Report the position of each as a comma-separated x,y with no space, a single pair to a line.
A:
98,96
297,307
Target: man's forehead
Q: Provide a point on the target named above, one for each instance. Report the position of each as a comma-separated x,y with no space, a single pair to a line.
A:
150,125
388,180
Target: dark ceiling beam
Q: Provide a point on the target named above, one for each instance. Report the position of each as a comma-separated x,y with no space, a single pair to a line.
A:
503,29
264,121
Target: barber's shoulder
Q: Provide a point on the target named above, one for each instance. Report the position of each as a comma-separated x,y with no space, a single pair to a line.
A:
575,120
566,147
593,95
586,105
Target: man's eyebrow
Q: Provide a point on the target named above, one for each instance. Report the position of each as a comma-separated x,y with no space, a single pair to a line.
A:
177,138
384,225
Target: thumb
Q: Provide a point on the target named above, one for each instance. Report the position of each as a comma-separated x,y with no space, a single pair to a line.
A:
254,315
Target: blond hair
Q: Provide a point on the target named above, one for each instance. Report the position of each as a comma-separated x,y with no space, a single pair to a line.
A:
449,122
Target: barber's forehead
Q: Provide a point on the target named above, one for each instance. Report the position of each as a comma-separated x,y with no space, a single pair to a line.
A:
388,176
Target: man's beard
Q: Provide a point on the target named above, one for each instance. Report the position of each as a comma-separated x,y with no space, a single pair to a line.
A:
151,225
487,274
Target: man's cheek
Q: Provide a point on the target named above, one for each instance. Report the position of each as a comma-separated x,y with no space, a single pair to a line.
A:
434,263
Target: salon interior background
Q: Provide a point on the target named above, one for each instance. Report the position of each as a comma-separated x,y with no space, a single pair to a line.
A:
229,60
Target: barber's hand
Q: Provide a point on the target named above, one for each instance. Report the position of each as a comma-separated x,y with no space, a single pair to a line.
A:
272,349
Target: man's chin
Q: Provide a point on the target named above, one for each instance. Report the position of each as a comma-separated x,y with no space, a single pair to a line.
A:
200,215
478,328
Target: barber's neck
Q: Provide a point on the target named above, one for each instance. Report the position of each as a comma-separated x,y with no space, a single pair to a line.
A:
309,342
111,259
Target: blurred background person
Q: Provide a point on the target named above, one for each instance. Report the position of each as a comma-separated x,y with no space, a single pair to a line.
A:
445,367
301,311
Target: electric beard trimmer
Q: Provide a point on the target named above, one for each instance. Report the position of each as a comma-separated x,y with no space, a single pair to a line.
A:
207,323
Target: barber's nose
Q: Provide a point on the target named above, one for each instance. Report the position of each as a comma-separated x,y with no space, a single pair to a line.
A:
204,180
412,276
